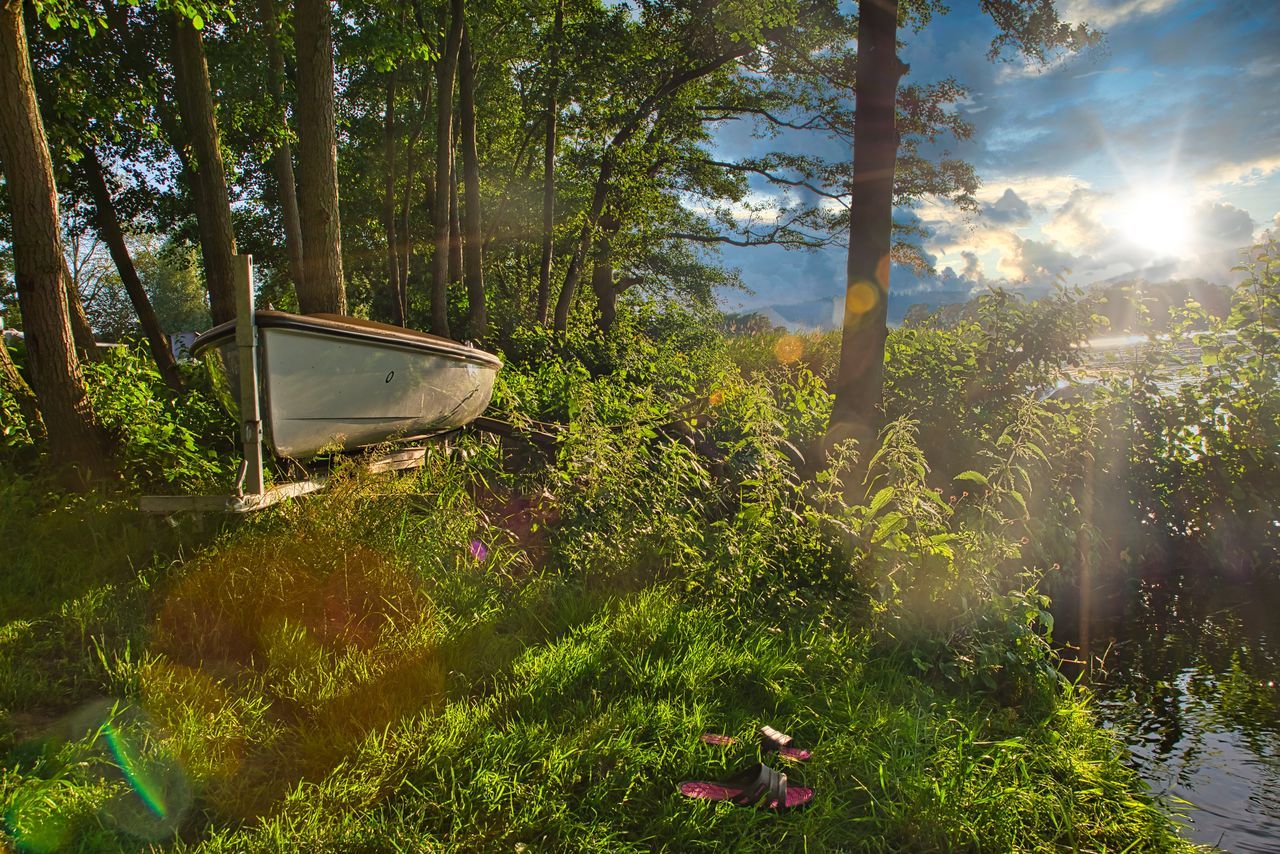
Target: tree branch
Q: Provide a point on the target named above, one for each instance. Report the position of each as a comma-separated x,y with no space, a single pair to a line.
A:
778,179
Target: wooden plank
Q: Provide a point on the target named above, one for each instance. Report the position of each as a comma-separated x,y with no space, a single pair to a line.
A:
508,430
406,458
228,503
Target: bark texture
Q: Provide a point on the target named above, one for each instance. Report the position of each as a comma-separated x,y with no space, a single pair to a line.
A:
282,157
75,436
408,192
472,243
323,290
455,228
205,166
602,282
549,166
108,226
860,379
446,69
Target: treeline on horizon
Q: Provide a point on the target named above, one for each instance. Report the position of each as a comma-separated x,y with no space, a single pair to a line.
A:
1134,305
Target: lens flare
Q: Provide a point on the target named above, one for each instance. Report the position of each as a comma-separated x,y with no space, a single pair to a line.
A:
148,792
862,297
788,349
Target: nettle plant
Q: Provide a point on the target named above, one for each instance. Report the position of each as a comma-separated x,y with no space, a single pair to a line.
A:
950,586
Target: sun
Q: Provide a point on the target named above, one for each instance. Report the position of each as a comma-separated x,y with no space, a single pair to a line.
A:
1157,220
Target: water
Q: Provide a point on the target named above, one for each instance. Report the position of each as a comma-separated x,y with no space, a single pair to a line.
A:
1190,681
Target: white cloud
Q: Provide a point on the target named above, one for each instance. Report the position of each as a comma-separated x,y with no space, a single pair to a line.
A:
1078,223
1039,191
1087,236
1010,209
1107,13
1242,172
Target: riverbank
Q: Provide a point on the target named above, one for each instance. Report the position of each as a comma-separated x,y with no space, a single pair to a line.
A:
353,672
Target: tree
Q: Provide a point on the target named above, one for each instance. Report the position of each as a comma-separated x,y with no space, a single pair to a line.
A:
282,157
323,289
875,143
389,203
108,226
549,166
472,242
669,84
16,387
204,165
446,70
1032,27
75,436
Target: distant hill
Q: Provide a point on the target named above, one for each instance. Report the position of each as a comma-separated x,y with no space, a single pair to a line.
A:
822,314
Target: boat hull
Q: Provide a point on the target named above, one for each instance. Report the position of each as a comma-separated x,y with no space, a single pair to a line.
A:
321,391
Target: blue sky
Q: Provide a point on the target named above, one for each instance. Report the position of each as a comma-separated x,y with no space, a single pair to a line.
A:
1157,152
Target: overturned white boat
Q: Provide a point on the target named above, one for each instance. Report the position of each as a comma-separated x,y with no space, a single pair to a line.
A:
330,382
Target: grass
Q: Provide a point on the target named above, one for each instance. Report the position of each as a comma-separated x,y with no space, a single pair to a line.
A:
512,652
344,674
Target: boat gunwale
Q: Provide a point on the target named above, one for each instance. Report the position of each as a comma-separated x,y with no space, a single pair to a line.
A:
325,327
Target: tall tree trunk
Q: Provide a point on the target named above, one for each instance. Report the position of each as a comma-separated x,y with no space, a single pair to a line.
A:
213,204
455,227
445,73
81,331
600,195
75,436
860,379
282,157
407,195
12,382
323,290
602,281
549,166
108,225
472,245
389,201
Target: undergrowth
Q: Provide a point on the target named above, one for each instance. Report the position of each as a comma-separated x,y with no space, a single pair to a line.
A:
515,647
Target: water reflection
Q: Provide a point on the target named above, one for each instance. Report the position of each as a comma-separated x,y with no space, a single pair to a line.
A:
1190,680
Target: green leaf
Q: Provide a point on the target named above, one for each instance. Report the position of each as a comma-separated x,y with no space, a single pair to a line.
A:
881,498
974,476
890,523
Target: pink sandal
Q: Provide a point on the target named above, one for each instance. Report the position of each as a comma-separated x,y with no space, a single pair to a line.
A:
771,741
757,786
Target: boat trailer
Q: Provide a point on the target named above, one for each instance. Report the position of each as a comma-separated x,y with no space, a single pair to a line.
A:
251,491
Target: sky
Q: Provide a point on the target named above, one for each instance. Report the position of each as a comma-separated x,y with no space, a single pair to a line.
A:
1155,154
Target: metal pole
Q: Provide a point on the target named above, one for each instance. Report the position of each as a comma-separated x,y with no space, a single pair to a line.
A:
247,348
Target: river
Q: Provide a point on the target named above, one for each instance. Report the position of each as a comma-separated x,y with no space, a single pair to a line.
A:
1190,682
